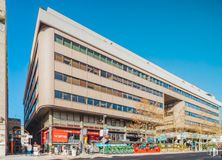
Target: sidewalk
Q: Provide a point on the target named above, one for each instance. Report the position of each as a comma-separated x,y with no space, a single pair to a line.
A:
86,156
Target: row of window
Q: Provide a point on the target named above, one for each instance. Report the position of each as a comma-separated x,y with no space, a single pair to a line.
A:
201,109
201,117
93,102
30,101
100,88
121,66
69,117
102,73
28,116
31,84
198,124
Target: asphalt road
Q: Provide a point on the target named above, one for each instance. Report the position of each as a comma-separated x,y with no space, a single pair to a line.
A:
181,156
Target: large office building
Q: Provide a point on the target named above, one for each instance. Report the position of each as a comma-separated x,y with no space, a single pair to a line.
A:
3,80
79,79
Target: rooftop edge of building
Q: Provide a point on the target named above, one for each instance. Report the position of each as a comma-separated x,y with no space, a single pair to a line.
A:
56,20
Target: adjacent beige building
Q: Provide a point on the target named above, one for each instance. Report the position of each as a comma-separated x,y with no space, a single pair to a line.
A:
3,80
79,79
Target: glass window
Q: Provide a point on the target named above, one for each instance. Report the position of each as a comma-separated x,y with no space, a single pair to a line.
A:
124,108
83,49
58,57
58,76
76,117
124,81
75,64
58,39
96,102
67,79
90,85
114,106
90,52
85,118
103,89
103,73
119,107
96,55
81,99
115,78
130,70
130,109
95,71
109,75
75,46
109,91
67,96
67,60
90,101
113,122
97,87
75,81
115,92
103,58
130,97
83,66
82,83
109,105
74,98
119,94
114,63
125,95
109,61
103,104
58,94
90,69
67,43
124,67
130,83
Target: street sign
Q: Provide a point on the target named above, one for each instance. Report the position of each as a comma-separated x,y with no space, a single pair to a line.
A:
84,131
101,133
105,132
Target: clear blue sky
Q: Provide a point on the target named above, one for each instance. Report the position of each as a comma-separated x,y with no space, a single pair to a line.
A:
182,36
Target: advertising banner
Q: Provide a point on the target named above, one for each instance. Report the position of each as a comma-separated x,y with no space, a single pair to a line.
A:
61,135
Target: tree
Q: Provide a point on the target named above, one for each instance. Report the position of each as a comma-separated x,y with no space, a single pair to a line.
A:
148,118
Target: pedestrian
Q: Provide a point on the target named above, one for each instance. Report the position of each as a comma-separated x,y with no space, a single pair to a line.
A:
29,149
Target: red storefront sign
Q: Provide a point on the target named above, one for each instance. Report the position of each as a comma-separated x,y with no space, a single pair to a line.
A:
45,136
61,135
93,133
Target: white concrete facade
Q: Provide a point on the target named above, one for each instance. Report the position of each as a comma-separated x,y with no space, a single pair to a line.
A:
60,22
103,74
3,80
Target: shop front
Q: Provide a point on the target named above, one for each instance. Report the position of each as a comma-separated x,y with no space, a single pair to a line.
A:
68,137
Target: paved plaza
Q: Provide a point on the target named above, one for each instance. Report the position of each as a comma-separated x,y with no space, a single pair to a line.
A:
150,156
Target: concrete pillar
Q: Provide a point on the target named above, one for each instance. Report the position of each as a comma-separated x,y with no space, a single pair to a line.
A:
50,131
125,133
82,138
3,80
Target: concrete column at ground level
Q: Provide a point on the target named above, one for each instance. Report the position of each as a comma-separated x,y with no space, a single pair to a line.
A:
82,137
125,133
81,133
50,130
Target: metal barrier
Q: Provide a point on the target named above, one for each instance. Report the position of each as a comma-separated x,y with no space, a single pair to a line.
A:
213,152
